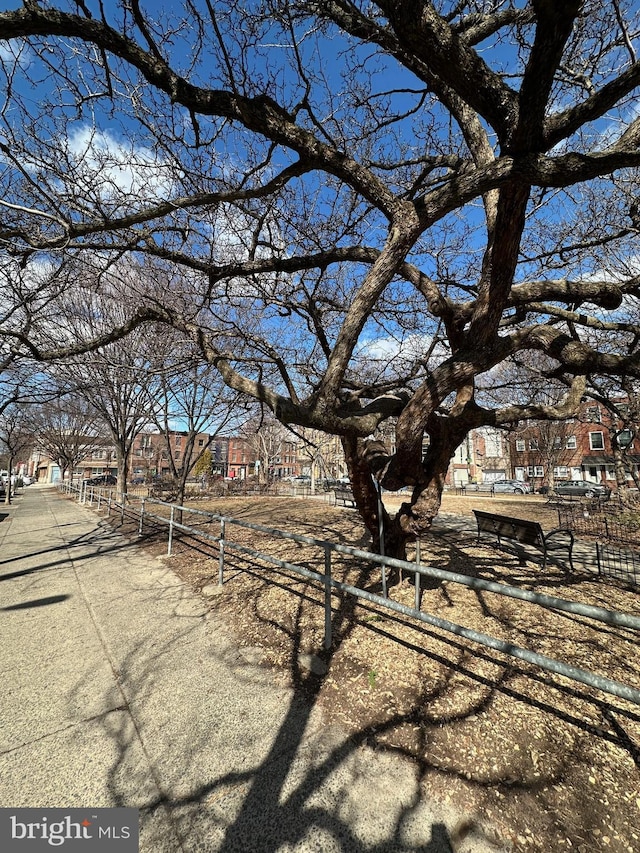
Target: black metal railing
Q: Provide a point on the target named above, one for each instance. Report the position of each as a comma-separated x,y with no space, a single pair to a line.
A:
614,525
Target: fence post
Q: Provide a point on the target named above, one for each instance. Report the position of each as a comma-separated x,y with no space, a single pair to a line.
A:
378,489
327,597
169,544
141,525
221,553
598,558
418,575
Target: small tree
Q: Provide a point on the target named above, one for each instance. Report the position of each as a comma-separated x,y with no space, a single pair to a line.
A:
267,439
66,430
188,396
204,465
16,437
547,442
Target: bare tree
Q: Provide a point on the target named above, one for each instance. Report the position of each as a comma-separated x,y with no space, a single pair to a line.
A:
547,443
267,439
374,240
319,453
16,438
189,396
116,381
67,430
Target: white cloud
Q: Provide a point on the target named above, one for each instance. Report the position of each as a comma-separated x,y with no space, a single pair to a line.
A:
115,169
393,356
15,52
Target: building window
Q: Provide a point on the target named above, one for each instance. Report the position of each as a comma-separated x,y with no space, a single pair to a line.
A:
625,437
534,444
201,442
520,445
571,442
611,474
596,440
538,471
561,471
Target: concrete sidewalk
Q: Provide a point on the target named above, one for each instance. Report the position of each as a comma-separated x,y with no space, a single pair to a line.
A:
120,689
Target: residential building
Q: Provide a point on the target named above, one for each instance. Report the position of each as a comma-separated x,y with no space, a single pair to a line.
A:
481,458
576,449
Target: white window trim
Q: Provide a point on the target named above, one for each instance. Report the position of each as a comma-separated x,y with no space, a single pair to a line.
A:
601,434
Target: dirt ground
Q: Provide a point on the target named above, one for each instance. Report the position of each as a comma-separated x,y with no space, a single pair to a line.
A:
541,762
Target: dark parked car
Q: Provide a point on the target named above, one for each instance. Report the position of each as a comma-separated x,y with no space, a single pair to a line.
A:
101,480
515,487
582,489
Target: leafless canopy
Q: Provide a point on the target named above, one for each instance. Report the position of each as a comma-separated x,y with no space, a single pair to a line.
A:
376,203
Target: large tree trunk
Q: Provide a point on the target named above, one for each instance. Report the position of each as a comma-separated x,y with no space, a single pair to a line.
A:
415,516
365,492
122,461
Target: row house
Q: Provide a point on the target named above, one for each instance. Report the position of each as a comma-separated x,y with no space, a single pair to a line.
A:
99,459
575,449
150,452
481,458
149,458
249,457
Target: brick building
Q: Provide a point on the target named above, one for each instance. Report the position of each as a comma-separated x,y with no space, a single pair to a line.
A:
576,449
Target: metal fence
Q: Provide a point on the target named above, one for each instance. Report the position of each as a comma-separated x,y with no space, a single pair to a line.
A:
616,532
602,521
225,543
617,562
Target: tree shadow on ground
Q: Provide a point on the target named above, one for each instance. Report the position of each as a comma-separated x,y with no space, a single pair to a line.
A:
240,761
281,801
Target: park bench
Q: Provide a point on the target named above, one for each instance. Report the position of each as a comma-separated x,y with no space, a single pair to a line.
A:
465,488
525,532
344,496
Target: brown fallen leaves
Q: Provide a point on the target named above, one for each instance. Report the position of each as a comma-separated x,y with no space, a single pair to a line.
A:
548,763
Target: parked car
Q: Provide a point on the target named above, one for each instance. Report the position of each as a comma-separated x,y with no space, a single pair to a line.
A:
515,487
101,480
26,480
582,489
